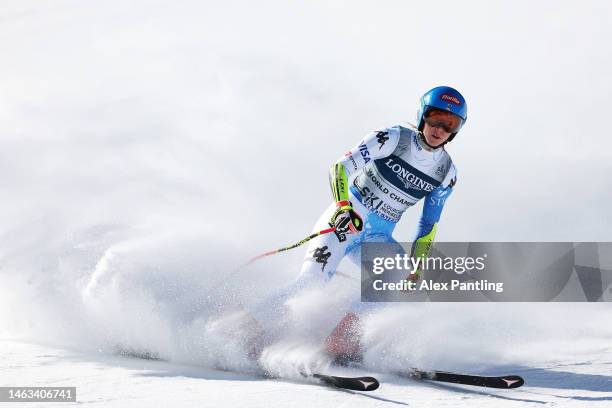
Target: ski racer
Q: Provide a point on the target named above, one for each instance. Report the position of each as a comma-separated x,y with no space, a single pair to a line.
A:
389,171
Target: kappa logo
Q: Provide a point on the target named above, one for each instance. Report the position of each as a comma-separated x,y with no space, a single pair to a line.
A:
440,170
320,256
382,139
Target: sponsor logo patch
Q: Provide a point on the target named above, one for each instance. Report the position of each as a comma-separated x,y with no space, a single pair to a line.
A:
341,235
451,98
382,139
409,179
321,256
353,162
365,153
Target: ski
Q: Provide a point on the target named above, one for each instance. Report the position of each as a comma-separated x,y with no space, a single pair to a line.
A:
503,381
348,383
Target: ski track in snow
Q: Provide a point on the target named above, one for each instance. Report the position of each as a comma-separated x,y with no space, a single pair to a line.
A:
113,381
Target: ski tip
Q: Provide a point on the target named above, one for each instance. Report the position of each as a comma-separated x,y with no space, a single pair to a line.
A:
513,381
369,383
350,383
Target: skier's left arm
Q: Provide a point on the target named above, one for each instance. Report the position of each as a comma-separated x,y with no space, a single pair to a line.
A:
432,211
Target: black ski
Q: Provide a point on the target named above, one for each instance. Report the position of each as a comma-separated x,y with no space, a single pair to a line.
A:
348,383
503,381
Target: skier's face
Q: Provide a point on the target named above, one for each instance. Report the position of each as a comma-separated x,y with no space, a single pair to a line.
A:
439,125
435,136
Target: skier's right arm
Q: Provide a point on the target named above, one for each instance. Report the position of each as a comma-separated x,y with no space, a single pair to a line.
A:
376,145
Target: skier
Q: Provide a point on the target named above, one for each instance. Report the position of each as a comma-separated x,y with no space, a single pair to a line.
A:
372,185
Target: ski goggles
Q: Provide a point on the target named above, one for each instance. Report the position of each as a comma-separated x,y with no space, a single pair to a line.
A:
449,122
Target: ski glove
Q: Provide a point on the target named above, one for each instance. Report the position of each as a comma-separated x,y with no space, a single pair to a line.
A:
345,219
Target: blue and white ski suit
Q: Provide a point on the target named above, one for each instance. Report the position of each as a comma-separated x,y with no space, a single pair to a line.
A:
388,172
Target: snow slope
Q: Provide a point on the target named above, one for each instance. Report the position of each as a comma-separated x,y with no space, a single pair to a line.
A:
113,381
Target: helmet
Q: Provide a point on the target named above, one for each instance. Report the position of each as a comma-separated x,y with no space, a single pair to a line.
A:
443,98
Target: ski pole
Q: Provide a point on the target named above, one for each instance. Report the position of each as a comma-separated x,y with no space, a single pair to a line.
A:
297,244
221,282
